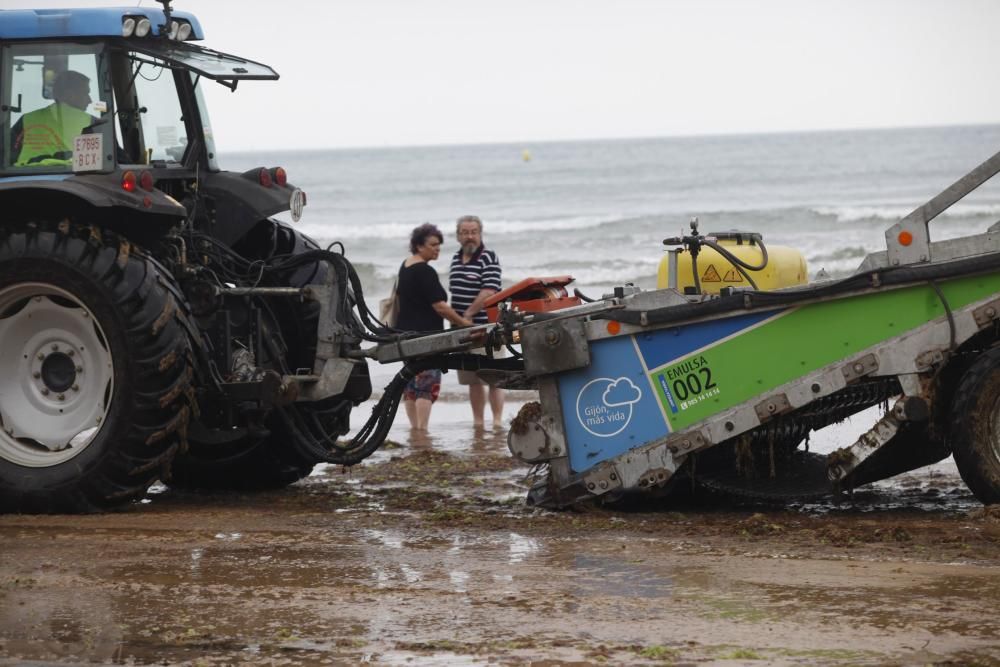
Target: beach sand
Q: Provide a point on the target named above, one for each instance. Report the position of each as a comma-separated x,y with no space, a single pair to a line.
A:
426,554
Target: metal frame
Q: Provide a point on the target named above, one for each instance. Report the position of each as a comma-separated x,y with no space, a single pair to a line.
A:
919,249
911,357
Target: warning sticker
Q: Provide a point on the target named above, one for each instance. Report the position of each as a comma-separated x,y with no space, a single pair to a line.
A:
732,276
711,275
166,135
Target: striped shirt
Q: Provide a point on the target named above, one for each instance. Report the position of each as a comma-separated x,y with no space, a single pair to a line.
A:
466,280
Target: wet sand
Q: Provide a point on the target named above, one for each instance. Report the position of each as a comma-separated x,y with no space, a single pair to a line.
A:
426,554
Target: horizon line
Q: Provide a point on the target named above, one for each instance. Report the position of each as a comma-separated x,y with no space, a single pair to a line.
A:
526,142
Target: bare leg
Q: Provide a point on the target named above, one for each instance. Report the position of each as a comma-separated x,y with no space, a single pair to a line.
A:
496,405
477,397
423,411
411,412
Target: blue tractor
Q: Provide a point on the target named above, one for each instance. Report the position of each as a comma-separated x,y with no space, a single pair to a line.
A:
155,321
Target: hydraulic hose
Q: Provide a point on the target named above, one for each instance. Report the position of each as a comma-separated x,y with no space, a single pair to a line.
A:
722,250
694,272
316,443
347,275
369,437
747,300
741,266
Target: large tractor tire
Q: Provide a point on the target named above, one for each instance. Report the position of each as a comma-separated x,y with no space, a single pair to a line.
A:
975,427
271,460
95,370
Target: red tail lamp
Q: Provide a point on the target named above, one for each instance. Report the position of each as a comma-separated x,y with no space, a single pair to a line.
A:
265,177
146,181
905,238
280,176
128,181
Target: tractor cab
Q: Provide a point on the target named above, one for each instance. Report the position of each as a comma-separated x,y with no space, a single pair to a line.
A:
102,88
109,104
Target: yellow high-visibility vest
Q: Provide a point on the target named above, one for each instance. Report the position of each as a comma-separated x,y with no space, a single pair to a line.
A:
50,131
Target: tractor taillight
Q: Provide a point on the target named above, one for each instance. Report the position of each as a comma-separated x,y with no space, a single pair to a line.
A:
128,181
280,176
146,181
265,177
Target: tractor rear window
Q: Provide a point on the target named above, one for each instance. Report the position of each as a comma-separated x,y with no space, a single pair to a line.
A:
152,121
52,94
205,62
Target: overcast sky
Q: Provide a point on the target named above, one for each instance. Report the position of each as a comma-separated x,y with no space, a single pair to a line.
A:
403,72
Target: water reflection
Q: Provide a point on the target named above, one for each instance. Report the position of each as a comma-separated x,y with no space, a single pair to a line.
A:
457,543
83,623
412,575
196,555
521,547
599,575
420,440
458,580
392,539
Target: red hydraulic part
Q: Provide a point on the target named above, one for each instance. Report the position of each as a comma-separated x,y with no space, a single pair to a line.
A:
534,295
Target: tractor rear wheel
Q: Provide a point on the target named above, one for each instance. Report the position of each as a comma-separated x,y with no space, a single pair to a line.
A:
94,370
975,427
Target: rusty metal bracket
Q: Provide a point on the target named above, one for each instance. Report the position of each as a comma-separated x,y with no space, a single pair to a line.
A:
772,407
859,368
602,479
930,358
842,462
986,313
269,389
555,346
912,409
687,442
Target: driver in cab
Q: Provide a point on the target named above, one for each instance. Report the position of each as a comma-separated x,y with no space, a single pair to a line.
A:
45,136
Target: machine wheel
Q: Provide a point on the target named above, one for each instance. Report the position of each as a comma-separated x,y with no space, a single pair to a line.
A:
975,427
94,371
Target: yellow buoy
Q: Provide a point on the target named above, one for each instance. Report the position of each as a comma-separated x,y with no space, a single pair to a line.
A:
526,155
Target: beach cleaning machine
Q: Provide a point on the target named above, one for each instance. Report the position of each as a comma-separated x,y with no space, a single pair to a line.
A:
157,323
722,384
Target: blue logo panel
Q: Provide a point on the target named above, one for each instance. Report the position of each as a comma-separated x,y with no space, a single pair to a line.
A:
609,406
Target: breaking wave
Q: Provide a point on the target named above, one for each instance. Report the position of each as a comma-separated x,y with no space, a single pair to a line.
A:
856,213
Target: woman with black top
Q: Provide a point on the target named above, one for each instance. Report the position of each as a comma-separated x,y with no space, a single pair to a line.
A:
423,306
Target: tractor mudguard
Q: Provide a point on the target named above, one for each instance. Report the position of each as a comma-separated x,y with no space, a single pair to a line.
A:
240,202
28,193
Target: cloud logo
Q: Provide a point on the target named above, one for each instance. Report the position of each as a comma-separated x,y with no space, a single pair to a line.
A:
604,405
621,392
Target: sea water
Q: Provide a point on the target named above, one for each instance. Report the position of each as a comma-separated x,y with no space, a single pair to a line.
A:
599,210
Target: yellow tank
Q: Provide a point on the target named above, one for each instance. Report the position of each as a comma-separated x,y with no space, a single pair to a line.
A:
786,266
